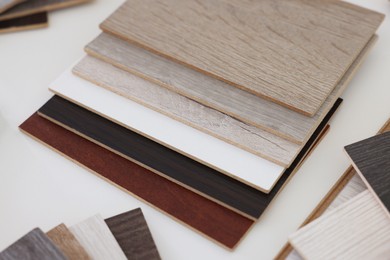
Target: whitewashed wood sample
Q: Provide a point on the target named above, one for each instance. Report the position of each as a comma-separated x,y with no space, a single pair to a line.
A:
97,239
253,170
357,229
7,4
292,52
217,94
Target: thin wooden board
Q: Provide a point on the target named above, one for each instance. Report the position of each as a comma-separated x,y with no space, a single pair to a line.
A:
133,235
67,243
217,94
294,57
97,239
358,229
30,22
371,159
38,6
34,245
243,166
7,4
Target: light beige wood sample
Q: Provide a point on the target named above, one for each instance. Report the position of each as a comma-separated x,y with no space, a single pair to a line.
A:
357,229
217,94
171,104
292,52
97,239
7,4
67,243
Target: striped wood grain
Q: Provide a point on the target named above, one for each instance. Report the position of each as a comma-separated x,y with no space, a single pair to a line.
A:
217,94
24,23
294,57
65,240
7,4
97,239
358,229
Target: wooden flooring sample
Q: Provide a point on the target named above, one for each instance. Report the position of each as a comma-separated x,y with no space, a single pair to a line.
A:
24,23
217,94
35,246
358,229
7,4
244,166
210,219
38,6
291,52
371,159
133,235
67,243
97,239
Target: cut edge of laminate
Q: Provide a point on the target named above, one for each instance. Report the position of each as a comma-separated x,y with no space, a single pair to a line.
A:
8,6
24,28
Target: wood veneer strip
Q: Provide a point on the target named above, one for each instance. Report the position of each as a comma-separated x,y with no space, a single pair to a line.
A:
30,22
133,235
35,245
38,6
67,243
267,55
7,4
217,94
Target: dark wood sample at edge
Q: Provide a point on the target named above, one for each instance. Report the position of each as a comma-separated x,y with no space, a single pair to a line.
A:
7,4
133,235
35,245
29,22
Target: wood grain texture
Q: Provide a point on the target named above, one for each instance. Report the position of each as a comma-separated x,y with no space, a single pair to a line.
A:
7,4
171,104
38,6
24,23
35,245
371,158
358,229
217,94
97,239
294,57
133,235
210,219
67,243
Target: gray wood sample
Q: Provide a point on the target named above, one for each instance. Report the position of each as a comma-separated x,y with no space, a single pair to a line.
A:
292,52
35,245
371,159
7,4
214,93
133,235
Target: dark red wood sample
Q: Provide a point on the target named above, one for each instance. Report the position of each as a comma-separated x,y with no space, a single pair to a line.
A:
24,23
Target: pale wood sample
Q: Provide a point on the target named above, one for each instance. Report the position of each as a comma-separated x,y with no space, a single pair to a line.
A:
292,52
97,239
65,240
358,229
7,4
30,22
217,94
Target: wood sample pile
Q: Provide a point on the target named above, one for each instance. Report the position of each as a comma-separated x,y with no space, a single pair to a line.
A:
125,236
217,103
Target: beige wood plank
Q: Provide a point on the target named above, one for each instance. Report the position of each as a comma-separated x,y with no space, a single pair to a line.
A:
294,57
358,229
217,94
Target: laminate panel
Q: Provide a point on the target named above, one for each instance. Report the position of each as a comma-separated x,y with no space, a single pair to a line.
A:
97,239
246,167
371,159
65,240
294,57
358,229
35,245
29,22
38,6
133,235
217,94
202,215
7,4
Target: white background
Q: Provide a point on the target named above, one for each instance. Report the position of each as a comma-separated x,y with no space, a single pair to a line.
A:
40,188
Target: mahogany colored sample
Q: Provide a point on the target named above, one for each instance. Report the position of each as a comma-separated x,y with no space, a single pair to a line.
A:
29,22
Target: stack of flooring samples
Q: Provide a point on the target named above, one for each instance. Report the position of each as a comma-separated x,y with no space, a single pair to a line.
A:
20,15
205,109
125,236
354,212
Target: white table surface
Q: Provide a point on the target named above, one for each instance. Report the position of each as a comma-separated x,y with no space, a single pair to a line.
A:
40,188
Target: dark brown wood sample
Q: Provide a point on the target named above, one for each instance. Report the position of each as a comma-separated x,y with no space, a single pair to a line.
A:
35,245
202,215
133,235
371,158
29,22
38,6
7,4
68,244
